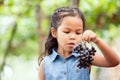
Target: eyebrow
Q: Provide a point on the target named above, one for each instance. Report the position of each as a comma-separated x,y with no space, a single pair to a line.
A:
67,28
76,30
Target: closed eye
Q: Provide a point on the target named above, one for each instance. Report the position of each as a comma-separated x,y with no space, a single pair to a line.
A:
78,33
66,32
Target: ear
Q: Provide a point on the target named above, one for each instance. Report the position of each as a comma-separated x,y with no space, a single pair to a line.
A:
53,32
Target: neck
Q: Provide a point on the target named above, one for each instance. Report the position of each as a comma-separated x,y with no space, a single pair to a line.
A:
64,53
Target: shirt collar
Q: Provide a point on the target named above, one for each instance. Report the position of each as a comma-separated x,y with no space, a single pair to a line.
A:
54,54
75,54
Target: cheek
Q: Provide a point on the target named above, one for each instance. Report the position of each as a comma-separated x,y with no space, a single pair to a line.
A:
79,39
62,40
61,35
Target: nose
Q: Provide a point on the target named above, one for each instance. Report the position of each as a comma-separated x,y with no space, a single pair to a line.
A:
72,36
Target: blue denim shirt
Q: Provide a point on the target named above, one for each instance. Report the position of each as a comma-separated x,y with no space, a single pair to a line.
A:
58,68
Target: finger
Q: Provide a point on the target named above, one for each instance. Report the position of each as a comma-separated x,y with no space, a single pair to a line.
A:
86,36
91,35
94,38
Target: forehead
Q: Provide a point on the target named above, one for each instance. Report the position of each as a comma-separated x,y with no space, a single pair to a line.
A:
72,22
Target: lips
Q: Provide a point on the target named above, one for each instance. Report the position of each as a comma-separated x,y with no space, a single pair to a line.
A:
71,44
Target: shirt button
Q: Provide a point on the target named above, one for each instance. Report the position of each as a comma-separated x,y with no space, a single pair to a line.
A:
65,73
77,70
64,61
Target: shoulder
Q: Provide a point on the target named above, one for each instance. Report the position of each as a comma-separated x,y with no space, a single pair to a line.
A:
41,71
41,65
46,58
46,61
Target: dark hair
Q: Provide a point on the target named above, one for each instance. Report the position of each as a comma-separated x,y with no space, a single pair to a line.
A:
56,20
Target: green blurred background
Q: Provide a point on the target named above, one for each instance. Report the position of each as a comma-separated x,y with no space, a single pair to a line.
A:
24,26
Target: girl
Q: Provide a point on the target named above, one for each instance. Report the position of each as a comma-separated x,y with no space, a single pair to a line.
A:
67,26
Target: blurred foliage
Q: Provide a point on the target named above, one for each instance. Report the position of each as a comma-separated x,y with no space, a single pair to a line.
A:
102,16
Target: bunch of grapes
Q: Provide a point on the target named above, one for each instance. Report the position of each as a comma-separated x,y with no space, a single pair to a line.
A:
85,55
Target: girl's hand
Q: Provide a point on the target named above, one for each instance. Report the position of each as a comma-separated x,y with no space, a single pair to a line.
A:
89,35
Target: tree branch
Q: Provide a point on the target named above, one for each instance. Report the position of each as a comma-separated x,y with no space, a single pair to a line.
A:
8,48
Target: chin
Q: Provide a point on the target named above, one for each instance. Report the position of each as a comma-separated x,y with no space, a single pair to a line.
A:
70,51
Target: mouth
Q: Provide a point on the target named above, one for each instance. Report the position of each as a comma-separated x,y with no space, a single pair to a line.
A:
71,45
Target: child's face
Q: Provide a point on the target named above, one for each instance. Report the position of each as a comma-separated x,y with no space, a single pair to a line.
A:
69,33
